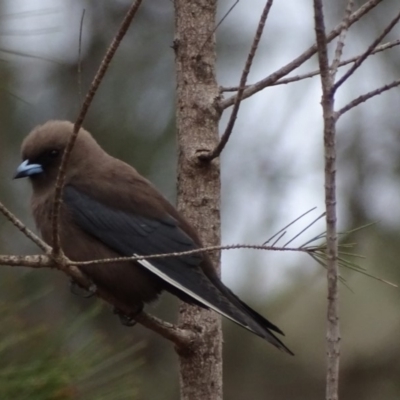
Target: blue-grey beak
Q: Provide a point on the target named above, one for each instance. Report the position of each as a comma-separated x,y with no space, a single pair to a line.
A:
25,169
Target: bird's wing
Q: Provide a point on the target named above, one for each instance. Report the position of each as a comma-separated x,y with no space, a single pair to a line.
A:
132,234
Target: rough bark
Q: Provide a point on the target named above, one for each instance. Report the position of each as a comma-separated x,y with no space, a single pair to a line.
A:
328,106
198,182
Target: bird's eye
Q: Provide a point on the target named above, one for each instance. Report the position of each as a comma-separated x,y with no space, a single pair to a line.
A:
54,153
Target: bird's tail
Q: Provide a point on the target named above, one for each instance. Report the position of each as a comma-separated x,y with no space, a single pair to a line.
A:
256,323
198,288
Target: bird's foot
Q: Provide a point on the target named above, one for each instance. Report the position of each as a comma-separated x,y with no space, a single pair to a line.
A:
82,292
128,319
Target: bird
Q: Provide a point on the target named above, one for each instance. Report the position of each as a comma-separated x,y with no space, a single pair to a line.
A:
109,210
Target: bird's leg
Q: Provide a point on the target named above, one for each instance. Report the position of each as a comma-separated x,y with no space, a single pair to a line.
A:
128,319
80,291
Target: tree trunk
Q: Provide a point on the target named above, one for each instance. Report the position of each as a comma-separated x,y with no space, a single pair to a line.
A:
198,182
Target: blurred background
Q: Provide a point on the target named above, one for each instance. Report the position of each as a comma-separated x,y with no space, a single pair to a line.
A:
54,345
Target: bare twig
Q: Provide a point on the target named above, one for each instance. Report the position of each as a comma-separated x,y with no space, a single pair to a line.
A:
28,233
274,77
311,74
85,107
333,331
208,249
341,39
367,53
243,79
34,261
80,58
69,267
365,97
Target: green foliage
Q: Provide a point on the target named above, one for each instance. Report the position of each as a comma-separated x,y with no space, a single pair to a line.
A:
47,362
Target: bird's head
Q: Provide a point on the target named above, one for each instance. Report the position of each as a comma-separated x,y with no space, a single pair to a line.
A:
43,148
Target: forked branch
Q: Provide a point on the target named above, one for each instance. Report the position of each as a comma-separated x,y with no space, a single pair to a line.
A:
367,53
311,74
301,59
243,79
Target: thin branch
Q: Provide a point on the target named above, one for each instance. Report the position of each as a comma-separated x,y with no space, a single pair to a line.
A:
285,70
311,74
341,39
70,268
84,109
208,249
243,79
27,232
367,53
34,261
80,57
333,331
365,97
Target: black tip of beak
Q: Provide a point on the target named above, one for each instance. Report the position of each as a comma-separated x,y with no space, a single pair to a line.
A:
17,176
25,169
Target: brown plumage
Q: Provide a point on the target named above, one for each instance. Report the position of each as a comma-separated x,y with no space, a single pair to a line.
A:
110,210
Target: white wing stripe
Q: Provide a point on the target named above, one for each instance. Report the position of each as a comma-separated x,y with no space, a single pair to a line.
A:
176,284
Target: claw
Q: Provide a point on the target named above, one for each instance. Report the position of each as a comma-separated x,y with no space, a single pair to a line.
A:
128,320
82,292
